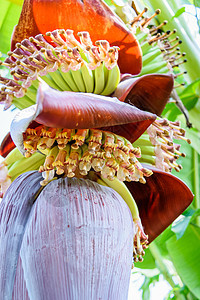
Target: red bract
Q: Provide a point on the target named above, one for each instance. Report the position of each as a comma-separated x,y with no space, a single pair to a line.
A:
38,16
160,201
149,92
7,145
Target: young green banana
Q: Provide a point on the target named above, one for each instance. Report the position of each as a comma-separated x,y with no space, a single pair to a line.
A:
34,166
88,78
142,141
145,47
31,93
153,67
58,79
13,156
112,81
148,159
147,150
49,80
141,36
151,55
25,164
99,79
23,102
67,76
78,79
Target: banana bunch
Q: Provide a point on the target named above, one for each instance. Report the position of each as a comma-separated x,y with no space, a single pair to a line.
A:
158,147
18,164
148,155
99,81
82,149
161,52
14,165
71,65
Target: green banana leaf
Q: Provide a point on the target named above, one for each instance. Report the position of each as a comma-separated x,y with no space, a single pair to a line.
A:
184,253
190,166
148,262
9,15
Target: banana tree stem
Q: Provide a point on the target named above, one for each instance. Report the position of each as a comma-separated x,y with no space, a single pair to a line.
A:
196,182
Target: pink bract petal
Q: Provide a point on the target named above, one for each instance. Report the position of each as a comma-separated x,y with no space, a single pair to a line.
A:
66,245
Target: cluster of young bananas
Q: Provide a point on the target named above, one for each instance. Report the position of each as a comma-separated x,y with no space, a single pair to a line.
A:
69,65
73,152
161,52
158,147
16,164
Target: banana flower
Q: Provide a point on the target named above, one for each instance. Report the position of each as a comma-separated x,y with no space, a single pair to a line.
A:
63,235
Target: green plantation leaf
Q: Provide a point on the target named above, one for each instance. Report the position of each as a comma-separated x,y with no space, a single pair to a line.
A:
196,214
145,287
185,257
187,174
4,5
9,15
148,262
189,96
194,135
190,89
194,114
179,226
197,3
18,2
162,239
179,12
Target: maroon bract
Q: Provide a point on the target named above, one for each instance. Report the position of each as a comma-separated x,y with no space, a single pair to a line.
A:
160,201
80,111
149,92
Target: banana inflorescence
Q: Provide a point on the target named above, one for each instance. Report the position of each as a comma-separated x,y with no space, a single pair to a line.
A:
161,52
71,65
71,152
158,147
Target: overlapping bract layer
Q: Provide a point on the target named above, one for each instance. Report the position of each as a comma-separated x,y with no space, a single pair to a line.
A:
81,111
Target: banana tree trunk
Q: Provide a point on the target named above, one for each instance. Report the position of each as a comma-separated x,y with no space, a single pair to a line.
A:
74,242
